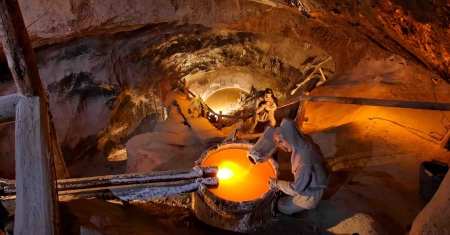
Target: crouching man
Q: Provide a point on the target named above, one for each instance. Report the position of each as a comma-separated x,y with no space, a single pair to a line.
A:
311,175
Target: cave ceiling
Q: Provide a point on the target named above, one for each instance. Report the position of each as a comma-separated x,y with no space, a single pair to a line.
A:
346,30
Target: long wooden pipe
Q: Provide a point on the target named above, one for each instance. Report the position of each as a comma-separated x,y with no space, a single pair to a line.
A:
135,180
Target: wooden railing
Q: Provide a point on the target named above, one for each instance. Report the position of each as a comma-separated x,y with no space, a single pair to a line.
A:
305,97
208,110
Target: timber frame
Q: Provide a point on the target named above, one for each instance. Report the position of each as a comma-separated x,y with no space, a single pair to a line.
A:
36,143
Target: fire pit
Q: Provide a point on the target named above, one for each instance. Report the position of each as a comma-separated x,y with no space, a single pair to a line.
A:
243,200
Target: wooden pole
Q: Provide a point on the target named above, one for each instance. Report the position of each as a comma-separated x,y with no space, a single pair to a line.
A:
244,120
301,112
219,121
38,212
18,50
8,105
185,90
126,179
445,142
162,101
37,205
323,75
370,102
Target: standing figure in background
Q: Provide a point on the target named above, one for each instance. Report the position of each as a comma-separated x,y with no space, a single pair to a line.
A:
196,104
311,175
265,107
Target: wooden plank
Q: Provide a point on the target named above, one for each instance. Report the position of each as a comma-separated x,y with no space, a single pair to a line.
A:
8,106
37,206
22,64
323,75
126,179
127,192
370,102
301,112
18,50
232,135
58,159
445,142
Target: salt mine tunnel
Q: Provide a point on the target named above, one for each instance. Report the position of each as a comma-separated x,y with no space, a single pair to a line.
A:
101,132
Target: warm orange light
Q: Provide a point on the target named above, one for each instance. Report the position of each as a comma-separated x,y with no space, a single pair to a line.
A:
224,173
239,180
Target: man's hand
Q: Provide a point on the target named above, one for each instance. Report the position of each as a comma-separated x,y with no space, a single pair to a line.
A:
273,184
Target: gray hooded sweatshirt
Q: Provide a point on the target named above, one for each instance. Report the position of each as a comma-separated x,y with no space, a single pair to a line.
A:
311,175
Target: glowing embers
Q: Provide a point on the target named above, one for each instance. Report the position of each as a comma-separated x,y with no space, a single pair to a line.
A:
239,180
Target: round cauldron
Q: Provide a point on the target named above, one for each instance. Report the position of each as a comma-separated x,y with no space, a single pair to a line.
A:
231,215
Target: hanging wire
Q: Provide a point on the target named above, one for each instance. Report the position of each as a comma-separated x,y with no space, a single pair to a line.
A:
45,12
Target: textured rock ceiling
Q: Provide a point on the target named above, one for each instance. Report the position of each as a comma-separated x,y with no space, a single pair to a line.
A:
346,30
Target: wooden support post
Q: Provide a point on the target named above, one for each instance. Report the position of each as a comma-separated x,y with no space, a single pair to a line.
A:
185,90
445,142
162,101
58,158
323,75
8,105
18,50
35,174
219,121
244,122
37,202
205,112
301,112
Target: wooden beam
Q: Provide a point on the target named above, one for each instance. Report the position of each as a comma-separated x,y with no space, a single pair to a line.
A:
127,192
37,205
8,106
58,158
445,142
18,49
301,112
9,188
323,75
370,102
22,63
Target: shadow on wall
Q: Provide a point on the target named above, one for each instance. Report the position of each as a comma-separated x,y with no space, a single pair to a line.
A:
422,11
342,149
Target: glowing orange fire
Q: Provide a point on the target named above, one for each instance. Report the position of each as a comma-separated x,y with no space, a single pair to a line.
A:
239,180
224,173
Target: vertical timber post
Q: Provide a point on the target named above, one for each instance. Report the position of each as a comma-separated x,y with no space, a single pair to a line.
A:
36,147
219,121
445,142
162,101
205,112
36,197
186,93
244,122
301,112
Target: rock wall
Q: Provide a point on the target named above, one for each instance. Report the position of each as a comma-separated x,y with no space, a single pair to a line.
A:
413,29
